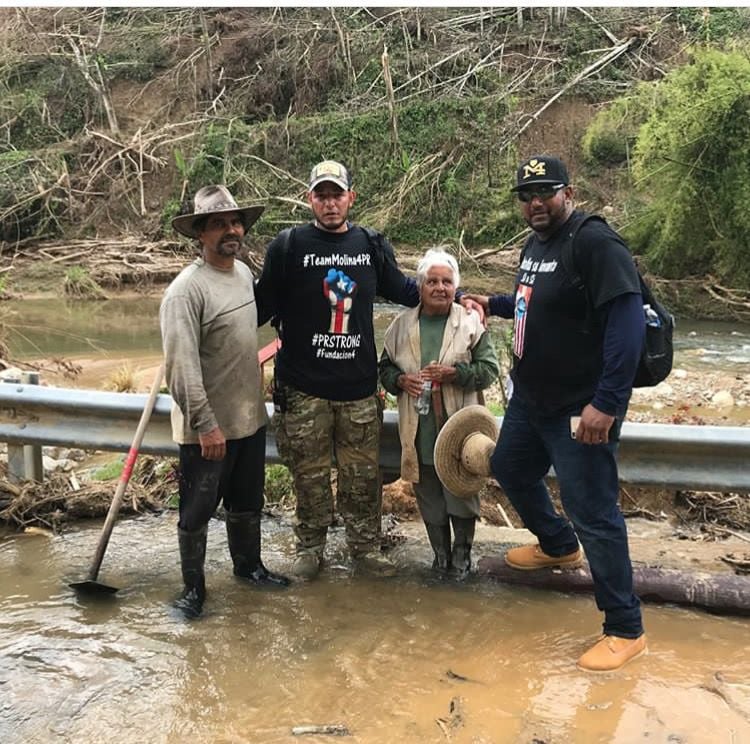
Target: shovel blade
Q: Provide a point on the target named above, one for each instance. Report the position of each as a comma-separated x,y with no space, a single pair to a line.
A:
92,587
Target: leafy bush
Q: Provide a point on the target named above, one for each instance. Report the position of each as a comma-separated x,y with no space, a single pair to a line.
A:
31,195
714,24
279,490
692,166
613,131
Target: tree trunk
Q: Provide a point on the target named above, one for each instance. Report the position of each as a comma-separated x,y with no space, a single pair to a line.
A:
719,593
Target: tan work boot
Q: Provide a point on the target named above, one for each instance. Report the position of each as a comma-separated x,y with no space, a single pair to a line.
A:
376,563
531,557
611,653
306,566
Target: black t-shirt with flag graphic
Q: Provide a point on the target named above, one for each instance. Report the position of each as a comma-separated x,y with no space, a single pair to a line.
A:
557,351
322,290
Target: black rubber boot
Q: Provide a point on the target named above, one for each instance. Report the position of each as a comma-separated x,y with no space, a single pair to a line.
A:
243,535
440,540
192,558
463,539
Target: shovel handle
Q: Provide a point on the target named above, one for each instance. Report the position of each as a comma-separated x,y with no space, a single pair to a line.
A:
127,471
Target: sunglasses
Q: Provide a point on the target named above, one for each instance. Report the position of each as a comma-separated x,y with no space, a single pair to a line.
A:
542,192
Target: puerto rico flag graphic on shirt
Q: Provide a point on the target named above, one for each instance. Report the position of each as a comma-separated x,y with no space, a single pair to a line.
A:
340,291
523,298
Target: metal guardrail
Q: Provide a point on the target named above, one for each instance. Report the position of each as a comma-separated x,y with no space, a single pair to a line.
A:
694,457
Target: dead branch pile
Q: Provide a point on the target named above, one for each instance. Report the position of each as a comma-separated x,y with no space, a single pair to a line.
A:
731,510
61,498
130,261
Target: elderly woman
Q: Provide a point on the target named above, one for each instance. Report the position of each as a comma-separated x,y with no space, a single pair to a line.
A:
439,350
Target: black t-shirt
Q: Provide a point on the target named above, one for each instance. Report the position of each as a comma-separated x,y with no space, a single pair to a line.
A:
323,293
557,345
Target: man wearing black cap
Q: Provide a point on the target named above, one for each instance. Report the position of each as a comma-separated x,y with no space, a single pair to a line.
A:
209,333
320,280
572,378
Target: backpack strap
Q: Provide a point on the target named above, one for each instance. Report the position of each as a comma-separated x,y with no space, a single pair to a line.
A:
568,253
570,263
377,250
286,263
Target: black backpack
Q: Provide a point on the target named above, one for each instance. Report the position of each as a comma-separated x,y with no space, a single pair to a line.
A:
657,354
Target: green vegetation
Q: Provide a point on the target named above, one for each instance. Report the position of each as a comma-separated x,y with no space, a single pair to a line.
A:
112,118
610,137
79,285
111,470
692,169
279,490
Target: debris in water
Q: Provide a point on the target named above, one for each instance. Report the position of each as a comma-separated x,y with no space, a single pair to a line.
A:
329,729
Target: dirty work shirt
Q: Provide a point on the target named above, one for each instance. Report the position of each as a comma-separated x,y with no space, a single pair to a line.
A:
209,332
557,351
323,293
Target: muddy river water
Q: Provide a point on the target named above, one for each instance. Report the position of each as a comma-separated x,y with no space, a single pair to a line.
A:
406,659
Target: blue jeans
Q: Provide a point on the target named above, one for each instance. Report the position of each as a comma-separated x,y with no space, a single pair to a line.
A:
589,489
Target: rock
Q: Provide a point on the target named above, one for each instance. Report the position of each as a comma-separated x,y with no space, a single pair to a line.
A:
657,406
51,465
680,374
608,210
722,399
12,374
664,389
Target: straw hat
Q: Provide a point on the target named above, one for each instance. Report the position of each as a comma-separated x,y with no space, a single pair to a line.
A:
463,448
213,200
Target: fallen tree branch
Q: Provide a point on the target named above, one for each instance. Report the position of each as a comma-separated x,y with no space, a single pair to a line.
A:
720,593
599,64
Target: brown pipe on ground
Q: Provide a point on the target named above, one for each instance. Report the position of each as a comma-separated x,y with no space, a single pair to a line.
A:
725,594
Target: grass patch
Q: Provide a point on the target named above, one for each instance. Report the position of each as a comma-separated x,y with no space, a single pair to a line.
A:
111,470
122,380
80,285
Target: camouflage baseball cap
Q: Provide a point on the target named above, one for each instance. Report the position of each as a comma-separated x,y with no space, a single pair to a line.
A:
330,170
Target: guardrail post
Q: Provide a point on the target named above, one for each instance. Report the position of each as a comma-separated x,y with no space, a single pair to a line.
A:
25,460
16,459
32,453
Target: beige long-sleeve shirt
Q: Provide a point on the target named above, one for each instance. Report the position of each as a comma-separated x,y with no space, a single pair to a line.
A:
209,325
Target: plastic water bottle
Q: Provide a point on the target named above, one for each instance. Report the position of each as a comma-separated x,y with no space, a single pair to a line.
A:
425,398
652,318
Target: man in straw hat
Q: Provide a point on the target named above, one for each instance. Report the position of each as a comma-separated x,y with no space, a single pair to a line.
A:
209,331
438,352
572,378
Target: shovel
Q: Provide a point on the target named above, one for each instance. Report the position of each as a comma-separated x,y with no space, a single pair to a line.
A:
91,585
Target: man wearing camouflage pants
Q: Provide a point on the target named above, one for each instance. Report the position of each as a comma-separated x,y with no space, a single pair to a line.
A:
320,281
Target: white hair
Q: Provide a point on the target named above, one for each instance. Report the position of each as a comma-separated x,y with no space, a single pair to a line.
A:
437,257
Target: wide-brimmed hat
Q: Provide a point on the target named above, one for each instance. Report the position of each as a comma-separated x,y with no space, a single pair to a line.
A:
541,170
463,448
214,200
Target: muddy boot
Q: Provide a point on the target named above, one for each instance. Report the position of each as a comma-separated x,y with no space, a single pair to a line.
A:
311,543
463,538
373,561
192,558
307,564
440,540
243,535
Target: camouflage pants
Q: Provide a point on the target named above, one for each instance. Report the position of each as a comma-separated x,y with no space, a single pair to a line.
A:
314,436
